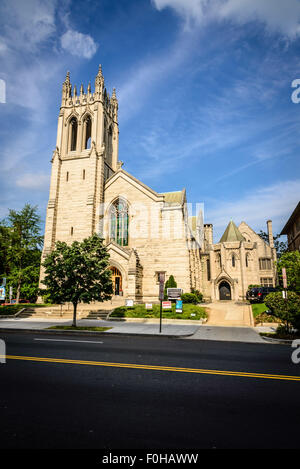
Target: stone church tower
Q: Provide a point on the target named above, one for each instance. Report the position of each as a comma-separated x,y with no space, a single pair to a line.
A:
86,154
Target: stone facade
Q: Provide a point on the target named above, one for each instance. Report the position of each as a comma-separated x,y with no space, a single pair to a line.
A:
145,232
292,230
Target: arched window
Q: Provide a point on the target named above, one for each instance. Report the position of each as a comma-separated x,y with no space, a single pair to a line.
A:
233,260
119,222
109,145
73,134
87,133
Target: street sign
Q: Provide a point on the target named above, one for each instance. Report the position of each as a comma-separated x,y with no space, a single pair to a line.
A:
284,277
167,305
2,293
161,285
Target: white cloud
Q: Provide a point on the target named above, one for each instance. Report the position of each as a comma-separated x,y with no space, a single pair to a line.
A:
24,27
278,16
33,181
81,45
275,202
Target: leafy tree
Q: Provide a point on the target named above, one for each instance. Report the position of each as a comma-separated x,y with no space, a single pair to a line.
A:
291,261
22,242
287,310
78,273
280,246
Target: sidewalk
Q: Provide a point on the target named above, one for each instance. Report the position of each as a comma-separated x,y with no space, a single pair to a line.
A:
117,327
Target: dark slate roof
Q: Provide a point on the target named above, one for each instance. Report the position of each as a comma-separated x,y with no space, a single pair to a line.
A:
232,233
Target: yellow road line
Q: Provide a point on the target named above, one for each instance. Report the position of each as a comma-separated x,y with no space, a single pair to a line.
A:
155,368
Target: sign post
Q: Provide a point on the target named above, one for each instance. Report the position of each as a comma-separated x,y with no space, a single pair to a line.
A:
161,295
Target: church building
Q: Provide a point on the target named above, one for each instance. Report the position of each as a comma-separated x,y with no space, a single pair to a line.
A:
145,232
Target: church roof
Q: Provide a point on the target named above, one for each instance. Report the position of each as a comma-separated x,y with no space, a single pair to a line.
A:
232,233
174,198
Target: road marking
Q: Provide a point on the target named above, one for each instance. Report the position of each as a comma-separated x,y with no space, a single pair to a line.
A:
78,341
155,368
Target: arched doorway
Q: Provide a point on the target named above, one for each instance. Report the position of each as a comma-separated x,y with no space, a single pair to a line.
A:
117,281
225,291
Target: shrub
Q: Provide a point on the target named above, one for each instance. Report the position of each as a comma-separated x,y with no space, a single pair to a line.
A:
198,294
189,298
171,283
287,310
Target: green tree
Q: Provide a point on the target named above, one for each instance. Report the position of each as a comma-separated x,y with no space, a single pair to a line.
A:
291,261
20,235
280,246
170,283
287,310
78,273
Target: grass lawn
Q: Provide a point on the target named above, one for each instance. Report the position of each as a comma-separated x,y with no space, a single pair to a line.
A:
13,309
190,311
258,308
80,328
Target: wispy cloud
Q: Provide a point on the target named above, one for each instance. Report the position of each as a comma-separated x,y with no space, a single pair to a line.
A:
277,16
274,202
33,181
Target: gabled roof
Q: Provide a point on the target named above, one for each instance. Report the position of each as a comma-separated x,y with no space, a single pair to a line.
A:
231,233
174,198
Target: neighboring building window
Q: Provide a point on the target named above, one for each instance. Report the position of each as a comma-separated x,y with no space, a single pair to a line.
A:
73,130
265,263
87,132
119,222
208,270
266,282
233,260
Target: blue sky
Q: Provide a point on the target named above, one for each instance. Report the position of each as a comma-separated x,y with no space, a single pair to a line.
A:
204,89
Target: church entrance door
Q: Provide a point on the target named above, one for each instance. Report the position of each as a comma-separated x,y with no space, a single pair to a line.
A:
117,281
225,291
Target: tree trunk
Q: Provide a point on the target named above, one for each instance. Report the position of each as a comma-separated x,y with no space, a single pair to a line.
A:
18,291
74,315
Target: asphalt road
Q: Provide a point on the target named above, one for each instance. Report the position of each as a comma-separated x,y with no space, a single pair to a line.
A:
146,393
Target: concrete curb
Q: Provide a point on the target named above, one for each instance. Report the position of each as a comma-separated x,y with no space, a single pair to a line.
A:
91,333
13,315
276,341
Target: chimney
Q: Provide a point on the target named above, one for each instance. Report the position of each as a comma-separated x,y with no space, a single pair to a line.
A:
270,233
208,233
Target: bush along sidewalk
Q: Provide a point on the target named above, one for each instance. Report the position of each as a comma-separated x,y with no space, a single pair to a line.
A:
190,311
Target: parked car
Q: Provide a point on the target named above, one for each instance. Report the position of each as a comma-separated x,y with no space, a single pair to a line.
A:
258,294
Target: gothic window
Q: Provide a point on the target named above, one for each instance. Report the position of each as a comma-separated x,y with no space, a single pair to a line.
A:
119,222
73,134
109,145
208,269
87,132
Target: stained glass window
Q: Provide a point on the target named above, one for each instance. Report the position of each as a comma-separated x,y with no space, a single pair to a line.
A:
119,222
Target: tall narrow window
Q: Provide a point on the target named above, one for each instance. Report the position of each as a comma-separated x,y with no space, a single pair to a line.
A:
73,130
247,260
109,145
119,222
83,174
87,132
208,269
233,260
67,176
